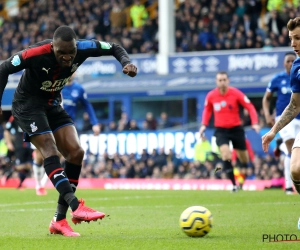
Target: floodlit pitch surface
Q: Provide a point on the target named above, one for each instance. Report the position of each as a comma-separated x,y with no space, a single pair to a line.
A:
149,220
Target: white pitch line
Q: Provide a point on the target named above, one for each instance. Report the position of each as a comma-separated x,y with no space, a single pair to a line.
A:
92,199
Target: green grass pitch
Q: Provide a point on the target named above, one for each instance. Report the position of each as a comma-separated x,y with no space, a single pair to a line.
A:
150,220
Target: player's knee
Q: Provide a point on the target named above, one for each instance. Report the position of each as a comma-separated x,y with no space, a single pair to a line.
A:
295,169
76,156
226,156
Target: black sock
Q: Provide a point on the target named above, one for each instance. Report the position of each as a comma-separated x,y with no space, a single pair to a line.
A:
9,174
57,175
229,171
72,172
22,176
244,165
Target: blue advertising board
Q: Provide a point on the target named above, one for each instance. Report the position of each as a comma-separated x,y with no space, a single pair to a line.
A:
240,61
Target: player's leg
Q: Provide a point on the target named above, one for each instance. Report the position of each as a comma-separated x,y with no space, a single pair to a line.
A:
10,169
38,172
222,141
287,164
288,134
237,137
295,163
295,166
23,163
68,144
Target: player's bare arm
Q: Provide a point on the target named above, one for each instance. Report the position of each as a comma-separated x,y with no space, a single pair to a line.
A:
290,112
201,130
266,108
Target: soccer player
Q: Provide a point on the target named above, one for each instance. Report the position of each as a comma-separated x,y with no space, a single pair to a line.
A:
36,108
72,94
224,101
293,108
21,151
280,84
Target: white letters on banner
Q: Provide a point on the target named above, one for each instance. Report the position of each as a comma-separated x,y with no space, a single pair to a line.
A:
182,143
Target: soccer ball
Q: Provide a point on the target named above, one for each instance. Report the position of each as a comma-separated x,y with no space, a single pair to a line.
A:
196,221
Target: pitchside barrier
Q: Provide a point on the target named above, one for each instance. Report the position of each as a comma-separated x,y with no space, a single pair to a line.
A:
151,184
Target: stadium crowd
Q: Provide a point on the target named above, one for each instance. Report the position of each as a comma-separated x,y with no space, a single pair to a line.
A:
200,24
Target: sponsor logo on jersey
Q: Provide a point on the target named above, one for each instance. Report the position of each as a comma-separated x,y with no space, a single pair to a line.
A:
74,93
46,70
33,127
217,106
16,60
54,86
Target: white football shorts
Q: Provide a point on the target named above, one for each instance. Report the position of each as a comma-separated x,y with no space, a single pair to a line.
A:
289,131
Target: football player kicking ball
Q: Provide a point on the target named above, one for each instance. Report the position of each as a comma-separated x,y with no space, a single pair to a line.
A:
293,108
36,108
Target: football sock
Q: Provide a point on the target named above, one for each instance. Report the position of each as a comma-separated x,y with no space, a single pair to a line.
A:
60,181
244,165
44,180
296,185
229,171
72,172
287,176
61,212
22,176
38,172
10,172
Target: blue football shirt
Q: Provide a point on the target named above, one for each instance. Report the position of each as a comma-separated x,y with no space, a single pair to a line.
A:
281,84
72,95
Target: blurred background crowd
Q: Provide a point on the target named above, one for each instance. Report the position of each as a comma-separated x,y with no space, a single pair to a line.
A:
200,25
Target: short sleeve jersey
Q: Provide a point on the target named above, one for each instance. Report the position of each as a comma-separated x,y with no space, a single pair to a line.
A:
280,84
43,78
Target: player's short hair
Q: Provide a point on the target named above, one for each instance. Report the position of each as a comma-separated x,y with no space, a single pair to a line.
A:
290,54
222,72
293,23
65,33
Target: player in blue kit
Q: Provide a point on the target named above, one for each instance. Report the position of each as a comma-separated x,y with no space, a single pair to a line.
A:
280,84
293,108
73,93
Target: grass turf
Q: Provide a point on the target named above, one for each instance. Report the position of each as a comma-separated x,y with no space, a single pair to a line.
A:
149,220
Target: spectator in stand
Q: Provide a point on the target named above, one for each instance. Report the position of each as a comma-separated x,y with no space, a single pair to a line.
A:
38,19
112,127
138,14
275,23
133,126
164,122
151,121
202,150
124,122
117,16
